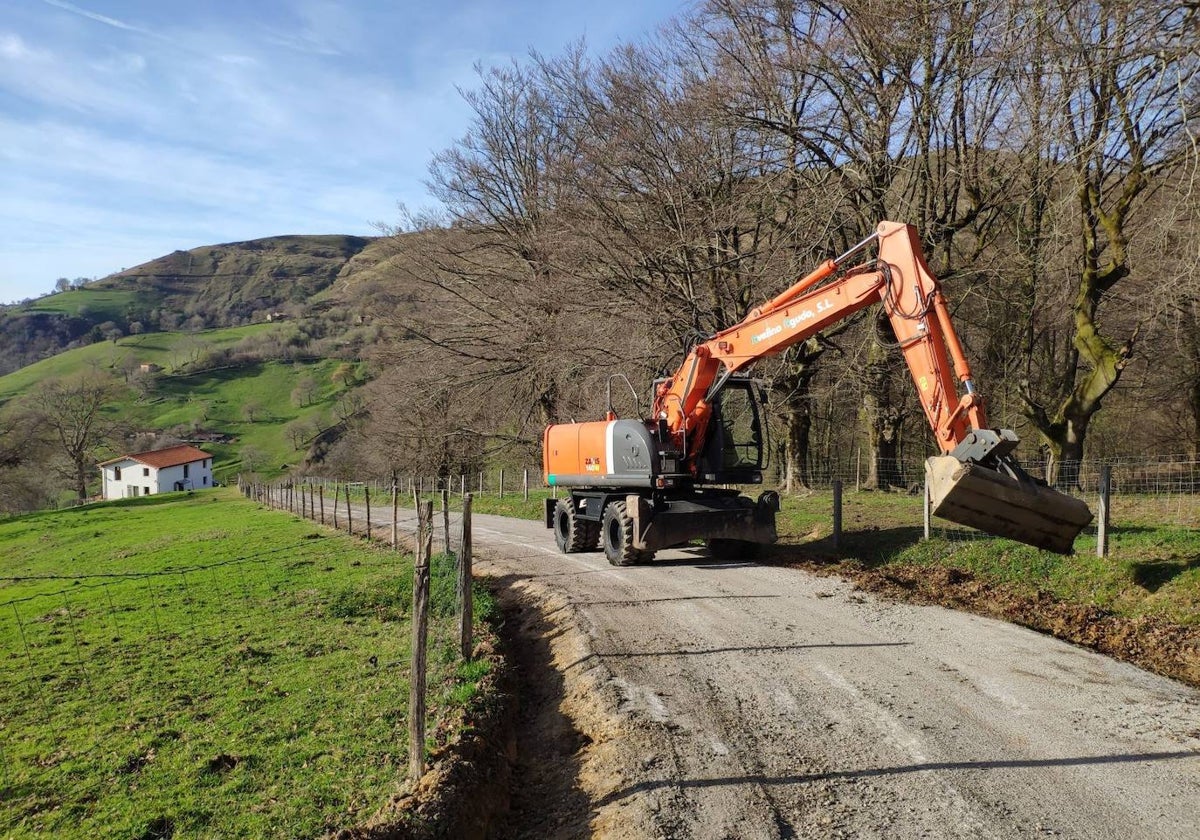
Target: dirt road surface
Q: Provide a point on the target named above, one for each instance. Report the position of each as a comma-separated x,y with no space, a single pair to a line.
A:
697,699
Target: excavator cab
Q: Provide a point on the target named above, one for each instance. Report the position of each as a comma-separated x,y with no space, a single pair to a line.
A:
734,451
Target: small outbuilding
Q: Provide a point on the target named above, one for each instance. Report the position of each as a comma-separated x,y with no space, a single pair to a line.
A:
159,471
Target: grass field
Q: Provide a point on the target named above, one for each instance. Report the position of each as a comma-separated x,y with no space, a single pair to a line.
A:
198,666
166,350
1152,568
101,304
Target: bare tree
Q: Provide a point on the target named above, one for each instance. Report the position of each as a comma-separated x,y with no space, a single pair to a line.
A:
871,111
1113,110
486,302
77,417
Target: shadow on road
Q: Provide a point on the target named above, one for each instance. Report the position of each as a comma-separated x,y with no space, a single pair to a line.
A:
804,778
546,797
744,649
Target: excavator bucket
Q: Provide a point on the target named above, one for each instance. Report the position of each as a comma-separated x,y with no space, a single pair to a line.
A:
999,504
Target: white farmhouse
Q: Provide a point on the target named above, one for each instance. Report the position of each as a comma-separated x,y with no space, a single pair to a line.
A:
159,471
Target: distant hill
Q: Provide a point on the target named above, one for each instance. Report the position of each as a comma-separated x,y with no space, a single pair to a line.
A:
210,287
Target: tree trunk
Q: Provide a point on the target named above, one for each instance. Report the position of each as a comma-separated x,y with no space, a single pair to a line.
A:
798,422
883,418
794,390
81,478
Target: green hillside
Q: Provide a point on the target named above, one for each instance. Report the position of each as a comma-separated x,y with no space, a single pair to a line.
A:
217,388
168,350
217,401
99,304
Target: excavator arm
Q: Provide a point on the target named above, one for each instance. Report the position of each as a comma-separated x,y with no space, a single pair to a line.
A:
912,299
977,482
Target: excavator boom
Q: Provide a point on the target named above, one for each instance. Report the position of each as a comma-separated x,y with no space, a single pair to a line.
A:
976,481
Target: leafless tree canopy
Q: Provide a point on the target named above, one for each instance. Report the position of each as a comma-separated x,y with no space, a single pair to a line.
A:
603,212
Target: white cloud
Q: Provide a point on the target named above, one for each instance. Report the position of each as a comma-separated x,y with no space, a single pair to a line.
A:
14,48
99,18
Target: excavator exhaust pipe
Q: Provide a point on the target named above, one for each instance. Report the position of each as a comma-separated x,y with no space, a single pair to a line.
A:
993,501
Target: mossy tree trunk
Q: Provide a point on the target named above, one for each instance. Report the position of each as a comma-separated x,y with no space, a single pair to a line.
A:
1127,66
793,389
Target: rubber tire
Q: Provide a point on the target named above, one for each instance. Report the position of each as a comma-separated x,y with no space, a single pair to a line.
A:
723,549
616,535
572,534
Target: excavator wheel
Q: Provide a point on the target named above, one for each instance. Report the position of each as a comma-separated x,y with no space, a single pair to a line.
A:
616,534
571,533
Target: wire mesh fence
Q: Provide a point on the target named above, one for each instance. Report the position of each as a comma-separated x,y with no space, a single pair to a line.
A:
1150,491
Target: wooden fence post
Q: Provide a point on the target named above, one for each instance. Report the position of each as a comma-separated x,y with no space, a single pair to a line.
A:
349,517
481,482
925,508
525,484
1102,511
837,513
336,494
395,514
420,634
417,511
321,496
465,605
501,482
367,493
445,521
462,486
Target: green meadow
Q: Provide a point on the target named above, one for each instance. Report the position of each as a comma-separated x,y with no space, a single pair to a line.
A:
200,666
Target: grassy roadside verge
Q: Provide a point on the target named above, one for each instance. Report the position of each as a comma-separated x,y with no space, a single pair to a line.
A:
199,666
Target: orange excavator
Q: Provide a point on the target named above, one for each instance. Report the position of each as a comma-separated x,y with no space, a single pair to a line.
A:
637,486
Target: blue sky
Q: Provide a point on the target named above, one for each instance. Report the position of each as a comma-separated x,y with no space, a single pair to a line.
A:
131,128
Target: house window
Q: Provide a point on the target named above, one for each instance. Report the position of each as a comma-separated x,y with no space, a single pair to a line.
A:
116,473
145,471
145,491
185,470
205,481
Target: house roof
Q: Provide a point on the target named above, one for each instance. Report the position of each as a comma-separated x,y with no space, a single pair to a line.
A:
172,456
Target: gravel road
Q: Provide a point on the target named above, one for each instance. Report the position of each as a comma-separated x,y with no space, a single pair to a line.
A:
734,700
741,701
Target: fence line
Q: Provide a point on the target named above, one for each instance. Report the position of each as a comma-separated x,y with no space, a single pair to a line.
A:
1150,490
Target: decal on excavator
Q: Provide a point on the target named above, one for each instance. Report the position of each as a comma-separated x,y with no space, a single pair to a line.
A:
767,333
